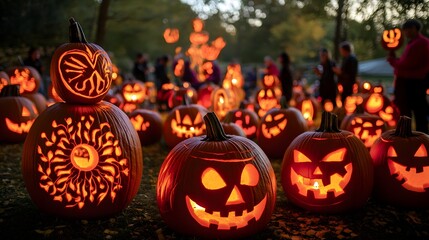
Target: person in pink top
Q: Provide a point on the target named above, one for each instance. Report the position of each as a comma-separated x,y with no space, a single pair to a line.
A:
270,67
412,73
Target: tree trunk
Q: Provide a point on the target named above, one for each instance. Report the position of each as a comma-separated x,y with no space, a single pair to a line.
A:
101,23
338,28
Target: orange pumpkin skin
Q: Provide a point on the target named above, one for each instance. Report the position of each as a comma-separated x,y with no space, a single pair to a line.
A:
327,171
243,182
148,125
278,128
82,161
81,72
17,115
38,99
402,166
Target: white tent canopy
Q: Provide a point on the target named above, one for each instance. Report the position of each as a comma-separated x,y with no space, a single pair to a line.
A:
376,67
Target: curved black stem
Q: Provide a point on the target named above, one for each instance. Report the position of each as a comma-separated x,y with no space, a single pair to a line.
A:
359,109
185,100
403,129
10,91
329,123
214,128
283,103
76,34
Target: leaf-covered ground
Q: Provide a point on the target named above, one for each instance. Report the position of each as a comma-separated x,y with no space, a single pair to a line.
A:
20,219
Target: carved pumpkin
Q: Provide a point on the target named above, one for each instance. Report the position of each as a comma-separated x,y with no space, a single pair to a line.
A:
233,76
366,87
171,35
327,170
221,186
164,94
115,99
379,104
198,36
77,163
222,102
309,108
148,125
151,92
351,103
247,119
81,72
233,129
133,91
204,94
177,97
183,122
392,39
17,115
266,99
402,166
366,127
4,79
28,78
278,128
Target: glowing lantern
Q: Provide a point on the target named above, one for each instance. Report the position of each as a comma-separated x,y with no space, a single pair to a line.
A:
81,72
366,127
392,39
327,170
212,51
17,115
270,81
204,94
247,119
308,107
148,125
233,76
171,35
179,93
4,79
203,178
222,102
81,160
179,68
402,166
116,76
366,87
183,122
133,91
328,106
278,128
266,100
198,36
351,103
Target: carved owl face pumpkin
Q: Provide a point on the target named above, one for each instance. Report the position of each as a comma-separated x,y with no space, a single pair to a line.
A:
402,166
81,72
336,177
392,39
133,92
28,78
247,119
221,192
266,100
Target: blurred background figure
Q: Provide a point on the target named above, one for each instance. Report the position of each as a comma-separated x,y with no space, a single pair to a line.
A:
348,70
33,60
141,68
189,75
285,76
270,67
161,76
327,82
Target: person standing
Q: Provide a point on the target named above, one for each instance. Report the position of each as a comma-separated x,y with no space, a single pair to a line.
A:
328,84
270,67
161,75
33,60
285,76
140,68
411,71
347,72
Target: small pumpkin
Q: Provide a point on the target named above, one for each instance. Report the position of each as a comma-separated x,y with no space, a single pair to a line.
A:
17,115
204,94
177,98
392,39
247,119
327,170
171,35
222,102
133,91
81,72
28,78
309,108
221,186
266,99
233,129
148,125
401,163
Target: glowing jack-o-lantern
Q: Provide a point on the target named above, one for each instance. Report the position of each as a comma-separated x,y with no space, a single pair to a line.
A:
77,164
309,108
183,122
81,72
133,92
198,36
327,170
351,103
4,79
392,39
402,166
221,186
179,93
366,127
204,94
266,100
17,115
278,128
233,76
171,35
247,119
151,92
366,87
164,94
379,104
28,78
148,125
222,102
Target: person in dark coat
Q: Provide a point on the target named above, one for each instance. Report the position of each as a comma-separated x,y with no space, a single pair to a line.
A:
411,71
140,68
347,72
285,76
328,84
161,75
189,75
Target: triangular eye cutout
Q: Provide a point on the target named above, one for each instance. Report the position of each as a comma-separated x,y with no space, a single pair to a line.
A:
25,112
421,152
335,156
299,157
198,119
391,152
250,175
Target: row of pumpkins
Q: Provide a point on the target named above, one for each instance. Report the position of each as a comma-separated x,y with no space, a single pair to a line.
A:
82,157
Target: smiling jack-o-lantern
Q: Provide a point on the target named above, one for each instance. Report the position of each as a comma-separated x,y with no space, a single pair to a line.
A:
266,99
392,39
81,72
327,170
278,128
247,119
17,115
148,125
183,122
401,163
221,186
133,92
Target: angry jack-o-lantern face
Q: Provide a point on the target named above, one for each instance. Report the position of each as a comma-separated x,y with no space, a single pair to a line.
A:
134,92
411,171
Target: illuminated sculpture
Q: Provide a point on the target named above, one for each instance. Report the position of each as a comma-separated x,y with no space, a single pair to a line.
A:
392,39
82,160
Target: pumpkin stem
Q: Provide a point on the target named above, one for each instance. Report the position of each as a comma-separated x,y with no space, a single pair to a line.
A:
404,127
10,91
185,100
359,109
76,34
214,129
283,103
329,123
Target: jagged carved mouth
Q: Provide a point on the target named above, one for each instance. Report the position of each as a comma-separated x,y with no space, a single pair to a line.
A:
19,128
186,131
320,191
225,220
415,179
273,131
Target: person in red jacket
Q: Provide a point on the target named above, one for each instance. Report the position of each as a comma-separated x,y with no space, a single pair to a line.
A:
411,71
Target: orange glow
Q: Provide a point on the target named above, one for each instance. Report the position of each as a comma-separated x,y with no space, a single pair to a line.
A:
266,100
235,197
273,130
412,180
129,107
374,103
197,25
171,35
185,127
366,86
335,156
233,71
328,106
366,131
421,152
307,110
19,128
212,180
81,162
134,92
3,82
391,152
139,123
300,157
250,175
25,80
79,72
179,69
25,112
392,37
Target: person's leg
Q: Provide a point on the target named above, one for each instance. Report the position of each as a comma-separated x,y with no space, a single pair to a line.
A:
419,105
401,93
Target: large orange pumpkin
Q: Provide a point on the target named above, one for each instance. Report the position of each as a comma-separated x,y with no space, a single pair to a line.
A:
216,186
